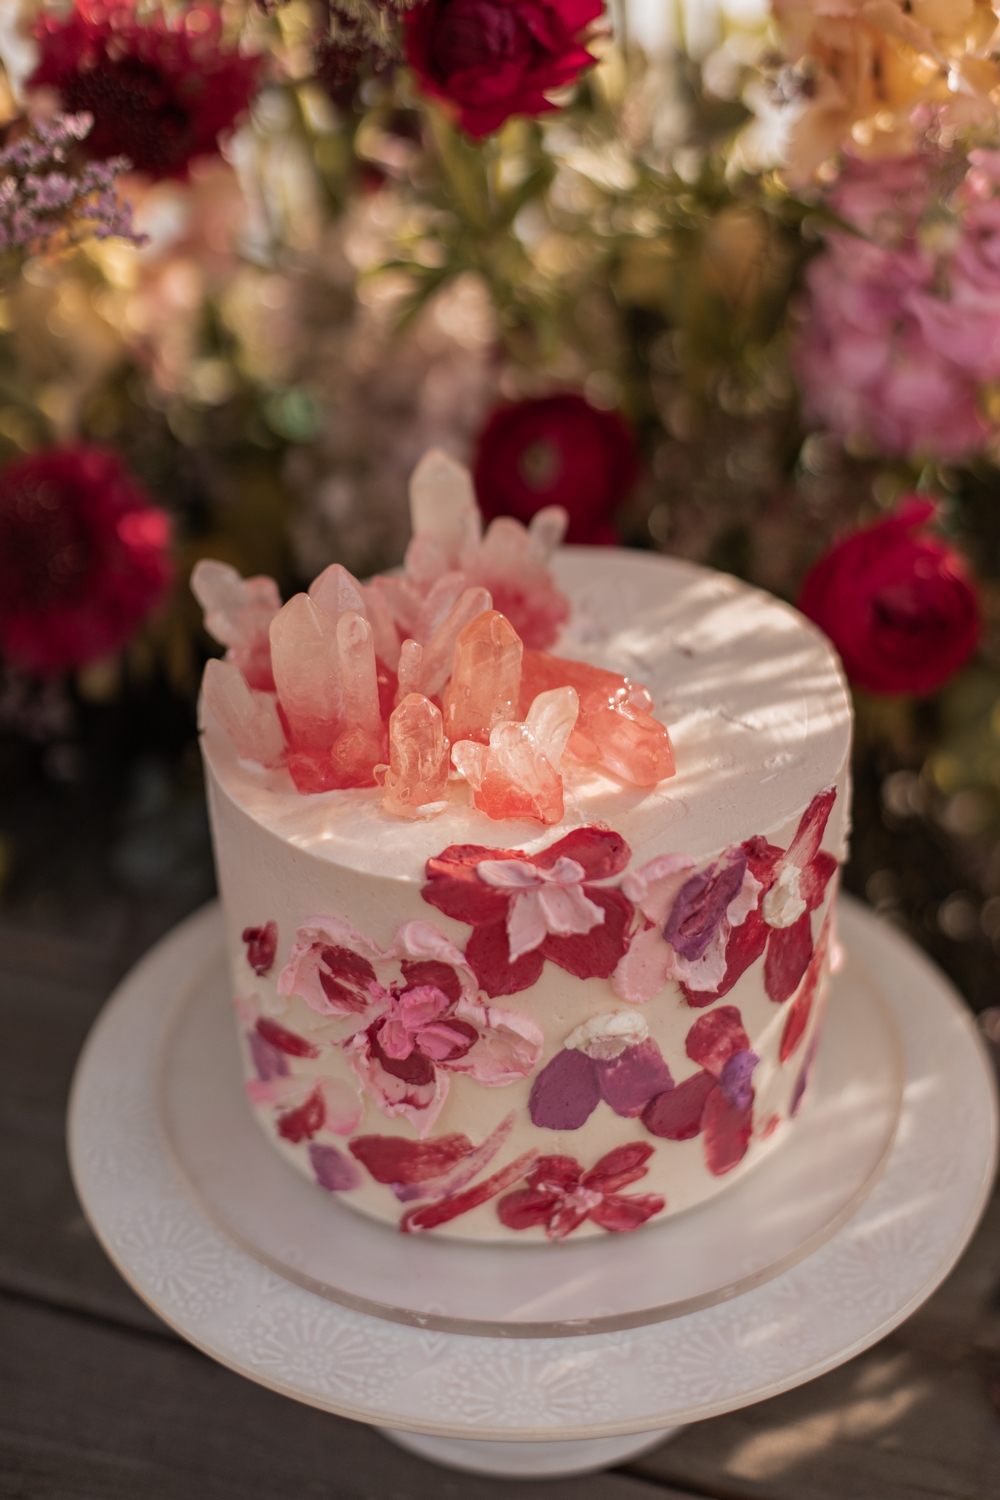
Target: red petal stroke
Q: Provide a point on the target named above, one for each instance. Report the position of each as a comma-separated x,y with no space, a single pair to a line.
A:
432,971
454,887
343,963
393,1158
727,1130
600,851
285,1040
812,825
815,879
302,1124
560,1174
788,955
746,944
262,947
594,954
527,1208
619,1167
798,1013
433,1214
762,860
715,1037
620,1215
488,955
676,1116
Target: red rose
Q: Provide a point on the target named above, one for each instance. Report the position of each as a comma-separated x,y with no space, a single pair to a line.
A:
83,558
495,58
556,451
160,90
896,604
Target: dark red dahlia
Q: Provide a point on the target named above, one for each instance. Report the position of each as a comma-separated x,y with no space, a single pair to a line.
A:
84,557
490,59
556,451
160,90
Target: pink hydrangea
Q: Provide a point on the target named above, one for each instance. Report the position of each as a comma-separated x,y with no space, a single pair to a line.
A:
902,322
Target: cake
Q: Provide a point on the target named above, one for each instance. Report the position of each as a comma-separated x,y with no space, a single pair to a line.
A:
492,988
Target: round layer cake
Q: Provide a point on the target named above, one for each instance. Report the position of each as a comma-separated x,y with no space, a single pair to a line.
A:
503,1031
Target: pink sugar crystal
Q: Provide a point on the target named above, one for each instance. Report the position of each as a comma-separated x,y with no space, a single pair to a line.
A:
306,664
444,593
517,774
439,652
444,514
615,729
249,718
486,679
416,781
238,612
384,632
336,591
513,563
358,674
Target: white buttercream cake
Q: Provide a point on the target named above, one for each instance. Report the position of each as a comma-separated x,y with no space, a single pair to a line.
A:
506,1029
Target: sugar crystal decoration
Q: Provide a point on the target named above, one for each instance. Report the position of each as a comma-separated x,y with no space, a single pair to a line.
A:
395,682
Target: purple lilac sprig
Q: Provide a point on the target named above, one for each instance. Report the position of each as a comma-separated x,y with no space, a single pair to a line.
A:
47,202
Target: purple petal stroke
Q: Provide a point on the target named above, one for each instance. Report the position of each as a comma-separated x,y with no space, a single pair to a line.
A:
629,1081
701,905
269,1062
735,1078
334,1171
565,1093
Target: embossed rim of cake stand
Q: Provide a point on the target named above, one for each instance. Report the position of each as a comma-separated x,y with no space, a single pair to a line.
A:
811,1181
856,1288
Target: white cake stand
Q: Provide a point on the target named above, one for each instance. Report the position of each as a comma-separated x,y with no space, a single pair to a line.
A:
883,1230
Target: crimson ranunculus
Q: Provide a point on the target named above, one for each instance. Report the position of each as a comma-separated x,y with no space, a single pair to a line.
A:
556,451
896,603
491,59
160,89
84,557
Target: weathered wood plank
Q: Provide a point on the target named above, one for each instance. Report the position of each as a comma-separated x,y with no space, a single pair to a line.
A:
89,1412
894,1424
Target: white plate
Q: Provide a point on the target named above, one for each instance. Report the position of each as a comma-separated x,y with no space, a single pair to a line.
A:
879,1266
793,1201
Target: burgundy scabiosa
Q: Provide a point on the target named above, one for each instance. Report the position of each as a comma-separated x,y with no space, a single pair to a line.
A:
160,89
84,558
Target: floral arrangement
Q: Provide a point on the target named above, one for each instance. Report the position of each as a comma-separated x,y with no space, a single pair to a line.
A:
738,306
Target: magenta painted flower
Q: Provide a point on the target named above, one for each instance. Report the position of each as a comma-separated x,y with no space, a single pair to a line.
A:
413,1014
560,1195
547,907
688,921
610,1057
716,1103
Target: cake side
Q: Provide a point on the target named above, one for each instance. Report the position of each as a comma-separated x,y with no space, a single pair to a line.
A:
422,1066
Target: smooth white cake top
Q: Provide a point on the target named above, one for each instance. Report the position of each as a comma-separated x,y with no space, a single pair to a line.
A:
751,693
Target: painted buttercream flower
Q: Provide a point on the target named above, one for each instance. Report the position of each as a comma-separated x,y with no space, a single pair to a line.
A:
560,1195
688,921
788,887
609,1057
306,1106
412,1015
549,909
434,1168
160,89
716,1103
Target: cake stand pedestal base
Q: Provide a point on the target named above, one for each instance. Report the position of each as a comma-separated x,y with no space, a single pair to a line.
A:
530,1460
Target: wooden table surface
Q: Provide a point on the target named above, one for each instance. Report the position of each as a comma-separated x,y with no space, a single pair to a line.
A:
99,1399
